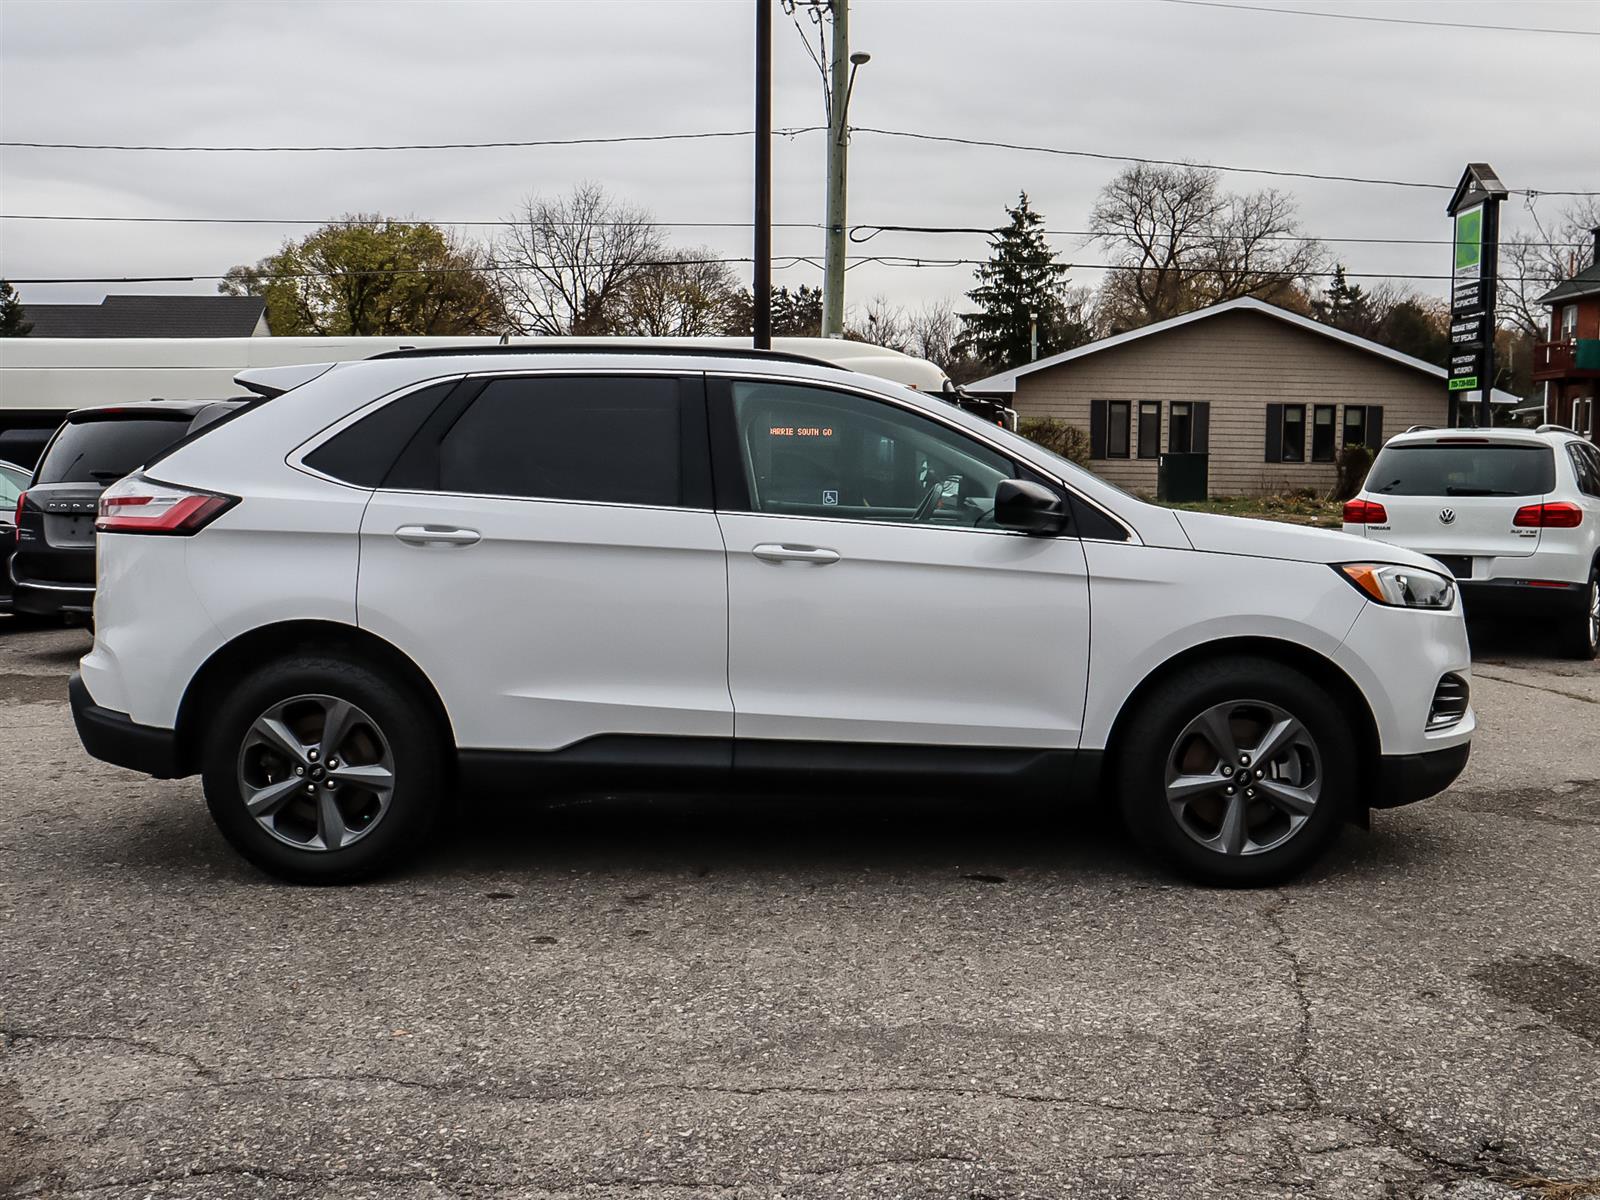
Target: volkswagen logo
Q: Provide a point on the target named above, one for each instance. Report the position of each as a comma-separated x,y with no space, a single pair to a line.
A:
1447,516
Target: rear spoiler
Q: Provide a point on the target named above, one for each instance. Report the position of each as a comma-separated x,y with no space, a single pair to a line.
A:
268,382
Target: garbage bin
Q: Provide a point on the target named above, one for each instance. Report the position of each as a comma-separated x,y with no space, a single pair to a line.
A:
1181,478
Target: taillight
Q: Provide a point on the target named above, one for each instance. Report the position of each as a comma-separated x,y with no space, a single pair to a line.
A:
17,516
140,505
1560,515
1365,512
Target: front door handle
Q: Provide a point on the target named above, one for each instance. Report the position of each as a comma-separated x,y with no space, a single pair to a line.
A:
436,535
771,552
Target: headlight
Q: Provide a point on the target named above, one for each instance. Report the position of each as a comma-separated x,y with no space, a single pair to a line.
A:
1402,587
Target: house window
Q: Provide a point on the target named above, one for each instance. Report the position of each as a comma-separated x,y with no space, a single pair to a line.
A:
1149,429
1322,431
1569,322
1363,425
1294,433
1117,416
1180,433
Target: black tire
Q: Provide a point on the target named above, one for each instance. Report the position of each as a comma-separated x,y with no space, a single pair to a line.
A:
1581,636
1151,740
403,723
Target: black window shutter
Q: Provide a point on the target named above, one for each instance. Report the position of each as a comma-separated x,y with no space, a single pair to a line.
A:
1200,430
1097,429
1274,433
1374,425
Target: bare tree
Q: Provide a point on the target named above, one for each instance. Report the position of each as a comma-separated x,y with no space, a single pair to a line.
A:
883,324
564,264
691,294
1179,243
1534,261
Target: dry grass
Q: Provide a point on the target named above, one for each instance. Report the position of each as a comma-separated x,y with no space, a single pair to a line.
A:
1295,508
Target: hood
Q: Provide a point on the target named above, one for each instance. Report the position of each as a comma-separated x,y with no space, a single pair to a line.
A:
1219,534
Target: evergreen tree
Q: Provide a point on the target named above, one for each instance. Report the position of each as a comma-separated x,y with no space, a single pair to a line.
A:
1022,282
1345,306
13,321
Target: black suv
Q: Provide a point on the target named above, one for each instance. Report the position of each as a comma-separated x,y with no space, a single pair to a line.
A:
52,569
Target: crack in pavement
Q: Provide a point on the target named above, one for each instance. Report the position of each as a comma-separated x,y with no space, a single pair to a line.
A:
10,1037
1536,687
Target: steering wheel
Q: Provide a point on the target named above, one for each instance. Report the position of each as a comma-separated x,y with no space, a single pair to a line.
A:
931,499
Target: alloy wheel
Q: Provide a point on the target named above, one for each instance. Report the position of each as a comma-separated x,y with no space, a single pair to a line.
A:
1594,611
316,772
1243,777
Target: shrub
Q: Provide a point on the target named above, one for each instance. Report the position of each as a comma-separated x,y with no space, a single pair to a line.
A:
1070,442
1353,464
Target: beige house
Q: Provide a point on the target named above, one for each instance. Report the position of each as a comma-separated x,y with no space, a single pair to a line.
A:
1267,395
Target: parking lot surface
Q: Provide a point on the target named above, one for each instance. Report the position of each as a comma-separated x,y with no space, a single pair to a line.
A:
603,997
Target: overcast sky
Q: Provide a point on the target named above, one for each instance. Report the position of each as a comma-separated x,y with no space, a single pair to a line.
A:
1138,77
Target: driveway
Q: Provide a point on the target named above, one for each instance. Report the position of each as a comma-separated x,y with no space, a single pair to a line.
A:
842,998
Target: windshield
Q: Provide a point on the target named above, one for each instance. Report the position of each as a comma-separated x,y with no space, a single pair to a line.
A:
104,450
1446,469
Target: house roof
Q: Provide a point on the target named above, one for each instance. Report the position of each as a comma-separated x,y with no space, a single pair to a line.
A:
148,316
1585,283
1006,381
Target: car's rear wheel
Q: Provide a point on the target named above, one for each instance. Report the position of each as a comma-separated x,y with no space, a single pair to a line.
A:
323,770
1237,772
1582,635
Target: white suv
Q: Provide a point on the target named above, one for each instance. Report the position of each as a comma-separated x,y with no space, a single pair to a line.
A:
433,571
1514,514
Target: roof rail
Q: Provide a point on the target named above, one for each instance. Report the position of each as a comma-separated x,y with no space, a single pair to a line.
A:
1556,429
1420,428
600,347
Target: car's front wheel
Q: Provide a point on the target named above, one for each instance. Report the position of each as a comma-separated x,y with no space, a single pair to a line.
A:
1238,772
322,770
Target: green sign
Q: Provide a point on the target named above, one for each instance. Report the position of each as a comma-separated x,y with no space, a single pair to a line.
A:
1469,241
1466,383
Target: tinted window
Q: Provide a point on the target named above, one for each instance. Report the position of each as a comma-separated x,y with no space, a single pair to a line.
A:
363,453
102,450
813,452
609,441
1463,470
1586,466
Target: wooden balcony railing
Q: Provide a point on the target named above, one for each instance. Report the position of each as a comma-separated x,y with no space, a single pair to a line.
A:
1552,360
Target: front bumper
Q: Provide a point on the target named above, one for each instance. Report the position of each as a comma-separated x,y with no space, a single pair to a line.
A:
1407,778
113,737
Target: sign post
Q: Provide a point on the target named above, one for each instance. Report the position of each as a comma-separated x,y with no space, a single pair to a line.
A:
1475,211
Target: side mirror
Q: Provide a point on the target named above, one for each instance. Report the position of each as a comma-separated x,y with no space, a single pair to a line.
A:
1028,507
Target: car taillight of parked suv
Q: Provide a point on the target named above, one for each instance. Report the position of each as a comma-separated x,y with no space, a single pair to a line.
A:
438,571
53,567
1514,514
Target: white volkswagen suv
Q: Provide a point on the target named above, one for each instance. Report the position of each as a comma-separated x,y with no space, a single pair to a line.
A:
1514,514
433,571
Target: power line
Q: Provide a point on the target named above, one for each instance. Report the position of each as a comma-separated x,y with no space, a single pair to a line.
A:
948,139
344,222
865,233
1173,162
1334,16
859,234
506,145
908,261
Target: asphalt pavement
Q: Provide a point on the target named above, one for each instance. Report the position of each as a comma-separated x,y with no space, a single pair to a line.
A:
839,997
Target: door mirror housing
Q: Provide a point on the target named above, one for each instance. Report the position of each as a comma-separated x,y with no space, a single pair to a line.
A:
1028,507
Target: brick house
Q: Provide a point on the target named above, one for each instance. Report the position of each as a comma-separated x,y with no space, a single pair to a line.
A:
1268,395
1569,363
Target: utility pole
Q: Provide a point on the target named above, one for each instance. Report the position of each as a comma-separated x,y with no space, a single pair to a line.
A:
838,165
762,298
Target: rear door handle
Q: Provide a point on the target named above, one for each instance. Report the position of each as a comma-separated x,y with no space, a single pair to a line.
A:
772,552
436,535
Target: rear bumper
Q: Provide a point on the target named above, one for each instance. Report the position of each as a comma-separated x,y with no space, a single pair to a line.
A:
1519,595
52,599
114,738
1407,778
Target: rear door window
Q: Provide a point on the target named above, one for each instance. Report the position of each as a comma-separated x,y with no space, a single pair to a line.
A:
603,440
103,450
1446,469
